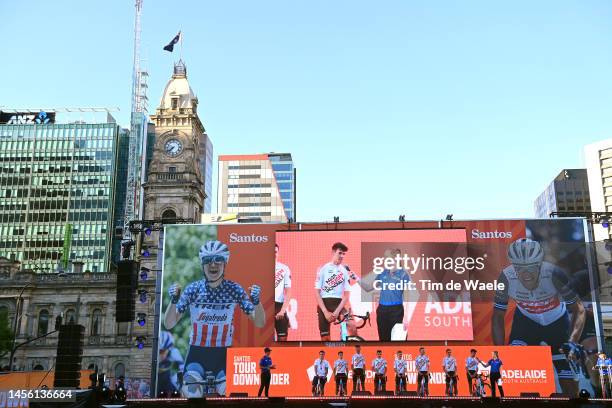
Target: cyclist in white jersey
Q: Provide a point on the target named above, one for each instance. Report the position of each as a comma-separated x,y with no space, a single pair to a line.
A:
332,292
358,363
341,372
471,368
400,366
422,366
212,301
321,367
543,296
449,365
282,295
379,366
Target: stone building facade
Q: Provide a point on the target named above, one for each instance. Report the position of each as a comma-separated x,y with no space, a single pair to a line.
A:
83,298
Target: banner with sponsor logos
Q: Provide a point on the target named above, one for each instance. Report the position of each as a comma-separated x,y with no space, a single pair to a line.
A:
524,369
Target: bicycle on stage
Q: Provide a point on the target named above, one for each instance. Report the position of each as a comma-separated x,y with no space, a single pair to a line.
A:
360,322
480,386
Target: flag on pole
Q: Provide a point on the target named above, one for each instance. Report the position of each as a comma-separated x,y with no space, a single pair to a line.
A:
170,46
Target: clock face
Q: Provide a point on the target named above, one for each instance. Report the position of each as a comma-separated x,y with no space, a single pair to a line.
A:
173,147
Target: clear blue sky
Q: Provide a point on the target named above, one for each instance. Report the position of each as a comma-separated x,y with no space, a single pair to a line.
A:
395,107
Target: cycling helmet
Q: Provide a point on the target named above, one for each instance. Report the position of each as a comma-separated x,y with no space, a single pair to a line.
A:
166,342
525,251
214,250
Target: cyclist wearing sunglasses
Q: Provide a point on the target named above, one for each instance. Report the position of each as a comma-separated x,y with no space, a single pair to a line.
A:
543,297
212,301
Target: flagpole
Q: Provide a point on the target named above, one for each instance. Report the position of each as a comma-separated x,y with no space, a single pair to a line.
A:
181,37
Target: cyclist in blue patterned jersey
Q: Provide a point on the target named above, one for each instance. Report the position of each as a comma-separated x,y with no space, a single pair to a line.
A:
212,301
543,296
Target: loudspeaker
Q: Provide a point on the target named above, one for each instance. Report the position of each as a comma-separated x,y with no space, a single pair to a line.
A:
361,393
69,355
559,395
127,283
530,395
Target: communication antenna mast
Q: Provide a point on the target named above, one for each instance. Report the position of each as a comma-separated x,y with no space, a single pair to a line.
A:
138,133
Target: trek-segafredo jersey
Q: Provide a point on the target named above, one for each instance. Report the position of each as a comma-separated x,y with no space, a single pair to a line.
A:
332,280
546,303
282,280
212,311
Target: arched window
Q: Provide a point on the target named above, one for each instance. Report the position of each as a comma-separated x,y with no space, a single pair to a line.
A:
70,316
168,214
96,322
38,367
43,322
119,371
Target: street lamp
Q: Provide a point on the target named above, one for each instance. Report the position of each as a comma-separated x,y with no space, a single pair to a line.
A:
17,317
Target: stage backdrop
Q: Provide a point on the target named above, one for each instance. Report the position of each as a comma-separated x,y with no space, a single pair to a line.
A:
525,369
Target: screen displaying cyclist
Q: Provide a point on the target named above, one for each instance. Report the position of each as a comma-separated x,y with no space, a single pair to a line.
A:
332,292
543,296
400,366
471,368
282,296
358,363
379,366
212,301
422,366
321,367
449,364
341,373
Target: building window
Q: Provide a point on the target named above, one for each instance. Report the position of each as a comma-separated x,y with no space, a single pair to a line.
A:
119,370
96,322
168,214
172,169
43,322
38,367
174,103
70,316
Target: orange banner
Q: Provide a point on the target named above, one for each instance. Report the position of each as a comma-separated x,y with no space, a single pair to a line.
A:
525,369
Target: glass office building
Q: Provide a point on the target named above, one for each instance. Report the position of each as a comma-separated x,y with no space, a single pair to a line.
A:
284,172
57,181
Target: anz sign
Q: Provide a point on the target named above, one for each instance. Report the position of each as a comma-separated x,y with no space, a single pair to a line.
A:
26,118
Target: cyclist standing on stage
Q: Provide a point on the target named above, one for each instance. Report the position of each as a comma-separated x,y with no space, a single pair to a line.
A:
332,292
379,366
471,367
449,364
422,366
341,373
543,295
321,367
358,363
400,366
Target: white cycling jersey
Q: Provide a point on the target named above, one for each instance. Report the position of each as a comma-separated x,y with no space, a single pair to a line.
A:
543,305
400,366
332,280
341,366
282,280
358,360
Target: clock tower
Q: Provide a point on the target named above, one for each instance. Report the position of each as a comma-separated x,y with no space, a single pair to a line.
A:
177,173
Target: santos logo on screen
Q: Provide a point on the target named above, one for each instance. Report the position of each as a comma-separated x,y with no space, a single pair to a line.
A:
234,237
477,234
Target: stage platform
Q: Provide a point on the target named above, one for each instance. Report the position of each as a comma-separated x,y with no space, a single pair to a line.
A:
368,401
